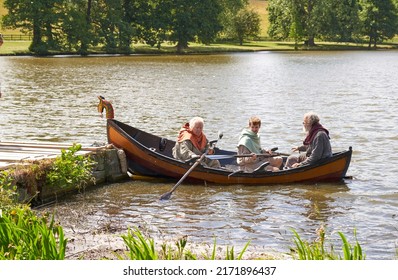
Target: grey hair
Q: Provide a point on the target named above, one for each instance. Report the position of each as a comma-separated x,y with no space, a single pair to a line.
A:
195,120
312,117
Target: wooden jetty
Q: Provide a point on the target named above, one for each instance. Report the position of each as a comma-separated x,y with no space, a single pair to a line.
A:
12,153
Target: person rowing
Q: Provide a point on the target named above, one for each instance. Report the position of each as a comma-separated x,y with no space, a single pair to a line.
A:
192,143
249,143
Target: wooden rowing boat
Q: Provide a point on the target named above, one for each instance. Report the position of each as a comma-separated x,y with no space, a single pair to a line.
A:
151,155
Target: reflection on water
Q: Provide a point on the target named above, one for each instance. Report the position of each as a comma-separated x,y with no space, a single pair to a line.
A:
54,99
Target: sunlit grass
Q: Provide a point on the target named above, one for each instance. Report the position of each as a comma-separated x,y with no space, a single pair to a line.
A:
25,236
141,247
22,47
15,47
318,250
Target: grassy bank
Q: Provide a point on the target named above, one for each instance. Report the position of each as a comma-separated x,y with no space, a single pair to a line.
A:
22,47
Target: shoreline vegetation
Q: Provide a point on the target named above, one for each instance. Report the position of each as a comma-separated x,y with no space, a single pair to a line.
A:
21,48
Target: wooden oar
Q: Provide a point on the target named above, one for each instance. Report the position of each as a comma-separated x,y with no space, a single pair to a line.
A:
168,194
245,155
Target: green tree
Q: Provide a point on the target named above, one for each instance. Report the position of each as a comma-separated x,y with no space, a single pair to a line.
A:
38,17
280,19
343,23
293,19
246,24
379,20
158,23
230,9
149,20
195,20
76,26
110,24
299,19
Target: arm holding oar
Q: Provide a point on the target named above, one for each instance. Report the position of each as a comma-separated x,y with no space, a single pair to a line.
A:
250,144
212,145
167,195
192,142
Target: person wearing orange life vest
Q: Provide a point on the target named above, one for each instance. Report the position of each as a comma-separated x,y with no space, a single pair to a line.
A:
107,105
192,143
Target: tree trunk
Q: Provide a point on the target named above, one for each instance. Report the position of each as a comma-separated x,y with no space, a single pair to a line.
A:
181,45
310,42
88,13
36,40
241,40
83,41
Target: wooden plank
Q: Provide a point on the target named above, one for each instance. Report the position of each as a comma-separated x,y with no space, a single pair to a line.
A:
37,151
12,153
49,146
13,160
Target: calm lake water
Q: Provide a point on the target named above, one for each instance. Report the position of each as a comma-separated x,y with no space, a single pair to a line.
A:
355,93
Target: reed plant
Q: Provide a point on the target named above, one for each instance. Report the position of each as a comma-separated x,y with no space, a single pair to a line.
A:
25,236
230,253
317,249
179,252
352,252
143,248
139,247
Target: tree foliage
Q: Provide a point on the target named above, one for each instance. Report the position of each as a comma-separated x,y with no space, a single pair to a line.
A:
379,20
75,25
246,24
342,21
36,16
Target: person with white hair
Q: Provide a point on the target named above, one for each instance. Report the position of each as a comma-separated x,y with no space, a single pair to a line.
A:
192,143
316,144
